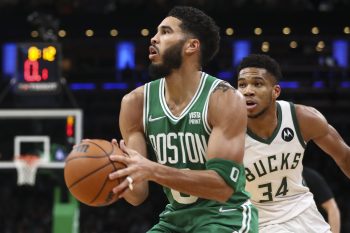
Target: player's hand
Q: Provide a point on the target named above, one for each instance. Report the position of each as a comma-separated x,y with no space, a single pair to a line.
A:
138,168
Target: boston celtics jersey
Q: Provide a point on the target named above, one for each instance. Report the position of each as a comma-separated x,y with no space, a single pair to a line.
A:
180,141
274,169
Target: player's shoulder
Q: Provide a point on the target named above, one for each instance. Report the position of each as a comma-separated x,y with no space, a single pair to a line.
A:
132,107
225,103
225,97
224,89
309,114
134,97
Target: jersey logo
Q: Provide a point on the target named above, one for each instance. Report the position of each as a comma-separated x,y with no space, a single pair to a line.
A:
287,134
222,210
195,118
150,119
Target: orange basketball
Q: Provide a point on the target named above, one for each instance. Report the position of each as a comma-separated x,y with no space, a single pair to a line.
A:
86,172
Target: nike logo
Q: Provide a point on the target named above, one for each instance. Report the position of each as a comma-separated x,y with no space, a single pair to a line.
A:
150,119
222,210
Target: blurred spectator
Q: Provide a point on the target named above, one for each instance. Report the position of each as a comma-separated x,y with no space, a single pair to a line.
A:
324,197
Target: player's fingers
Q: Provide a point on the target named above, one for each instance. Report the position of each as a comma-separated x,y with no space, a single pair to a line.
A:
124,192
115,142
120,158
119,173
121,188
127,185
125,148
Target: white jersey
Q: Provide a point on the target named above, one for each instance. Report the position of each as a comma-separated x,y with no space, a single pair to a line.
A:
274,170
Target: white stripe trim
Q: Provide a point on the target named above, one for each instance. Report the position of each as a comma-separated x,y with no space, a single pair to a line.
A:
206,105
249,218
188,107
145,107
246,217
160,89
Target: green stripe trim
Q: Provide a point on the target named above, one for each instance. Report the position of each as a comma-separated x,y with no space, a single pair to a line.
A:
275,132
296,125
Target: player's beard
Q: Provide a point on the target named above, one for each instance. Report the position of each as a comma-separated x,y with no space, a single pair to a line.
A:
172,59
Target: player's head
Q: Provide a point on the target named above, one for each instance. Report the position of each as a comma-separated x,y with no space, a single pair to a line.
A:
186,31
258,77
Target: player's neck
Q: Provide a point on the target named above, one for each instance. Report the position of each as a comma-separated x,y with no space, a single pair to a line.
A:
265,124
180,87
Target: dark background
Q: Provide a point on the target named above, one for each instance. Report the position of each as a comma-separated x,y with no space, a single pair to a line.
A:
92,60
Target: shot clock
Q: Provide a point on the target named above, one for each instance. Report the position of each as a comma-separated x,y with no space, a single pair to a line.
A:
38,68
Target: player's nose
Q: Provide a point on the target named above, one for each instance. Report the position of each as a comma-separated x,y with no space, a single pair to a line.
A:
249,90
154,39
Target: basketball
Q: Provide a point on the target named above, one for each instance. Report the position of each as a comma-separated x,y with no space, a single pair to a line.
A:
86,172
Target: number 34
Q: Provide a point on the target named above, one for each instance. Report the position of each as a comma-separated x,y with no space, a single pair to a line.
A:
281,191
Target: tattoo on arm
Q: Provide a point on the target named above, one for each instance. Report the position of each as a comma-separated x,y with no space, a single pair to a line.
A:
224,86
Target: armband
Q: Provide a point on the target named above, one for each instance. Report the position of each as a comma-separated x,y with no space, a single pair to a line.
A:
233,173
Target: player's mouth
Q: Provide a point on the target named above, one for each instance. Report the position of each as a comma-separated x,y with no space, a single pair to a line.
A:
250,104
153,52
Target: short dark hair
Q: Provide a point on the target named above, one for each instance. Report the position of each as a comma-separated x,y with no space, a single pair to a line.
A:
200,25
262,61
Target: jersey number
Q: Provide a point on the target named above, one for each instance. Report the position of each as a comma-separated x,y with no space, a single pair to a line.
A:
183,198
281,191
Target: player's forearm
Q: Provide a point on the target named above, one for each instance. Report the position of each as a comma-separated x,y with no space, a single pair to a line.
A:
334,220
344,163
331,207
343,160
205,184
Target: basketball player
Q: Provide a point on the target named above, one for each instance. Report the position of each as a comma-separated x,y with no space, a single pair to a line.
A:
277,134
194,125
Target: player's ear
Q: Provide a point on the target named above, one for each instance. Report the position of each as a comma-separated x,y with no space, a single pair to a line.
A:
276,91
192,45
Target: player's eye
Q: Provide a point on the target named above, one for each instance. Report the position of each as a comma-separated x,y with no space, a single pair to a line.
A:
241,85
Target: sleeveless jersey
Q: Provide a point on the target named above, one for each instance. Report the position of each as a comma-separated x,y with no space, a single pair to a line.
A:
181,141
274,170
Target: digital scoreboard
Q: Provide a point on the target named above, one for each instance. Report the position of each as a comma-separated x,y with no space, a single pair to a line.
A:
38,68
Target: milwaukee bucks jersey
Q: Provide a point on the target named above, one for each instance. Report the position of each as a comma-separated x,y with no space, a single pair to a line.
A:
180,141
274,169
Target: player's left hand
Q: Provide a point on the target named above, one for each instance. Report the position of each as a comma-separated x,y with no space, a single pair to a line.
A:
138,168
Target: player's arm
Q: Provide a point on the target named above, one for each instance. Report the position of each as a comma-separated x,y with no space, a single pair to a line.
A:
331,207
131,128
227,116
315,127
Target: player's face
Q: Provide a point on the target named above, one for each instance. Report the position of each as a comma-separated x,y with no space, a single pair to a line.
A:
259,90
166,48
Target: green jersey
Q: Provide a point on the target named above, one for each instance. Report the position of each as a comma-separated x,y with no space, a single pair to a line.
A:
181,141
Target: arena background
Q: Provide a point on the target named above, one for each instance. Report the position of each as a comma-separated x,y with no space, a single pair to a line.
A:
104,54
